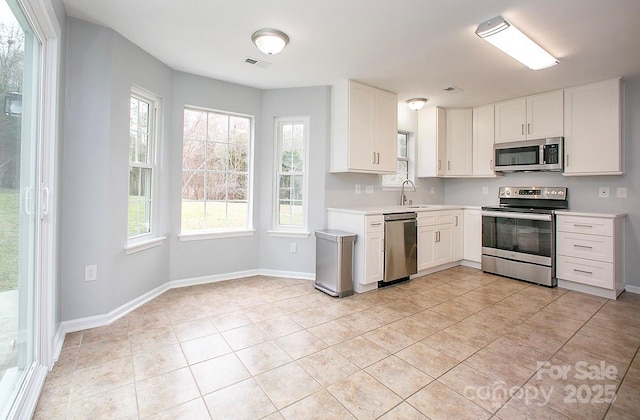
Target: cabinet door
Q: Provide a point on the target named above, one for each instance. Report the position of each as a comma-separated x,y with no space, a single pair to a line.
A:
593,141
361,117
374,258
444,244
545,115
483,135
385,133
426,247
431,140
459,142
458,236
510,120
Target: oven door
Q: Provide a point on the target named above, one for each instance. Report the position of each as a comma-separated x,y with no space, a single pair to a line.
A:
525,237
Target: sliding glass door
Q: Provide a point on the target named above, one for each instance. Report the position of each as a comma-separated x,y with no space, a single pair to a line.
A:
20,61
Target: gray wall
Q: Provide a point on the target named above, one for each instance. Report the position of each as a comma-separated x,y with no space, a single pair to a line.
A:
190,259
101,66
583,191
315,103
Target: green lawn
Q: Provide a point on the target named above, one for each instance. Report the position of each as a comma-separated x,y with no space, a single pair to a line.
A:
9,220
193,211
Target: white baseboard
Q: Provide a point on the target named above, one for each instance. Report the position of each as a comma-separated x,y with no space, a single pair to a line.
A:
632,289
56,348
472,264
106,319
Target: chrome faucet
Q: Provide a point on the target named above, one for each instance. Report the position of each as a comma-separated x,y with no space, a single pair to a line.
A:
403,197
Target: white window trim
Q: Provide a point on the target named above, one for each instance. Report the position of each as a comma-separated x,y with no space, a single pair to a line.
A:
230,233
290,231
151,239
411,152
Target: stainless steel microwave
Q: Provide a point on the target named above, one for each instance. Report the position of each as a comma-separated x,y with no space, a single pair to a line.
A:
529,155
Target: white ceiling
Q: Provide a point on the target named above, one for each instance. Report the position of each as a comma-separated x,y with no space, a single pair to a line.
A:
412,47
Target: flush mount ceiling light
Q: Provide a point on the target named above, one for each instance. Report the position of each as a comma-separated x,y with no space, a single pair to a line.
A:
415,104
509,39
270,41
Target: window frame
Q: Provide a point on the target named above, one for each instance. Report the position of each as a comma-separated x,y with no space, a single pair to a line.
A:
410,162
146,240
249,229
300,231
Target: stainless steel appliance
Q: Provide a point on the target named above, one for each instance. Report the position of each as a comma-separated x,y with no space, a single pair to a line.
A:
518,237
529,155
400,246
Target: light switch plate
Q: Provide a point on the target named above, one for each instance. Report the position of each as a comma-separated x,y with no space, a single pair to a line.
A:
603,192
358,189
621,192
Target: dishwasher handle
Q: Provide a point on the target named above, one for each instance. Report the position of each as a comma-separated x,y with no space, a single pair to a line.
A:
400,216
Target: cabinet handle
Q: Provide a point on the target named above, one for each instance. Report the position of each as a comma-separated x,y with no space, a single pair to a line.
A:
584,226
582,246
582,271
491,164
456,220
529,128
439,164
375,224
378,162
522,130
566,161
448,165
374,158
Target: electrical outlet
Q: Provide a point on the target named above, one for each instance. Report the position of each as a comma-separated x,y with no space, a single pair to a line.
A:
485,190
293,247
91,273
621,192
603,192
368,189
358,189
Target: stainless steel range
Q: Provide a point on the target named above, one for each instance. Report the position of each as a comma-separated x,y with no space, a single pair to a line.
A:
518,237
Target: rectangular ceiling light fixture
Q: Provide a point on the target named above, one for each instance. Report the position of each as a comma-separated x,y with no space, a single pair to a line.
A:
509,39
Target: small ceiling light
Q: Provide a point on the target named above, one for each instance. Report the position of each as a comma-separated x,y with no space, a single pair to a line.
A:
270,41
509,39
415,104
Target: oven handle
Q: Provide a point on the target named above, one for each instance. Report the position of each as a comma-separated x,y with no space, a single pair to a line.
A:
513,215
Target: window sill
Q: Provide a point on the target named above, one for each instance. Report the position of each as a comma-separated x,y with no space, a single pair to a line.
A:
289,233
186,237
142,245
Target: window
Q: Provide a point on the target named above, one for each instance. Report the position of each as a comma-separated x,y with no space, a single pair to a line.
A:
216,163
396,179
291,168
142,146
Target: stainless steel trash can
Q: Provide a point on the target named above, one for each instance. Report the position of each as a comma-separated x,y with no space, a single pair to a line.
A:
334,262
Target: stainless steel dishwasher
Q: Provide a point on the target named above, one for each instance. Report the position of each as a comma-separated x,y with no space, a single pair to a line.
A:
400,246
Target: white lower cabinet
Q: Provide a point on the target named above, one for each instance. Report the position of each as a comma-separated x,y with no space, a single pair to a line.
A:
472,235
440,238
590,253
374,249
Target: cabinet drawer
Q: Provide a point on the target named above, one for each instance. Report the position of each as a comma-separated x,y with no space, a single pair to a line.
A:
592,273
588,225
374,223
592,247
426,218
444,218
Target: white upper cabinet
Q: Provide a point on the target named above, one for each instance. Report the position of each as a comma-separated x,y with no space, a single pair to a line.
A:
593,140
459,142
364,127
483,135
431,142
533,117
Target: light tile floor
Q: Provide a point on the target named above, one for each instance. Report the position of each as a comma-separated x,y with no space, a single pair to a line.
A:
455,344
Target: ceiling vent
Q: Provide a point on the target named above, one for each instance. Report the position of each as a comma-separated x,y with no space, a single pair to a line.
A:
453,89
260,63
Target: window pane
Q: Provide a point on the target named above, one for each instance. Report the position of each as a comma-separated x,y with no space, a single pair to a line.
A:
239,130
133,114
237,186
216,186
238,157
217,156
193,154
237,214
143,147
216,215
218,127
192,217
402,145
297,187
195,124
192,185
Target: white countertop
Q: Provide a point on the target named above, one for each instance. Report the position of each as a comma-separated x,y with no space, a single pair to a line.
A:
370,210
584,214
